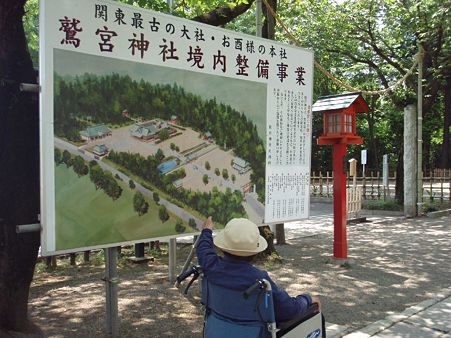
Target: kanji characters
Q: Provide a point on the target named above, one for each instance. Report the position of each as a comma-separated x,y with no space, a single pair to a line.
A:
195,55
137,21
168,52
101,12
119,14
154,25
142,45
219,59
71,28
300,71
262,68
241,63
282,74
106,36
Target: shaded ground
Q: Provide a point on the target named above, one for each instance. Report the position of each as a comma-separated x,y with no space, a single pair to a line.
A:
395,264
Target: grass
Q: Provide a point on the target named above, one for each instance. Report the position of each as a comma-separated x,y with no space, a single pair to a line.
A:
391,205
437,205
87,217
388,204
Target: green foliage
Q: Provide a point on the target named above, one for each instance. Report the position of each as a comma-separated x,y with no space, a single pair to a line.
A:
66,157
79,166
104,180
233,177
217,172
179,227
390,205
373,51
205,179
86,96
58,156
131,184
435,205
224,205
140,205
163,213
192,223
163,134
156,197
31,27
159,155
225,174
207,165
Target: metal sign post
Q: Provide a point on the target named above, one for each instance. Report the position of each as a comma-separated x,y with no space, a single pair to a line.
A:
172,259
111,281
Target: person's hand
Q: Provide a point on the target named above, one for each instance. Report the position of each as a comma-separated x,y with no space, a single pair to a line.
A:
208,224
315,300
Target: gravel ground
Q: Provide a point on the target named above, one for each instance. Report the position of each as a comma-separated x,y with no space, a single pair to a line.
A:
393,265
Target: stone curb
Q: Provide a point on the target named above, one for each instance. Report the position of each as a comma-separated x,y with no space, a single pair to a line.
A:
439,213
380,325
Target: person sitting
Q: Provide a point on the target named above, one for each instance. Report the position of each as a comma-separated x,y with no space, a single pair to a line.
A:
240,241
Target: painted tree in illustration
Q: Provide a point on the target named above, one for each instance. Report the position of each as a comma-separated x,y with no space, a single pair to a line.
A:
140,205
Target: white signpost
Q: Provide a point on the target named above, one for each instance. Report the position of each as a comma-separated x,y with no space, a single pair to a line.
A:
353,193
363,159
385,181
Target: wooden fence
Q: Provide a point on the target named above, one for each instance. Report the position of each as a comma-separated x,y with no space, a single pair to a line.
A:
436,185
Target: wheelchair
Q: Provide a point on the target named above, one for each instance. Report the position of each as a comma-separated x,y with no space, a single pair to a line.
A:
248,313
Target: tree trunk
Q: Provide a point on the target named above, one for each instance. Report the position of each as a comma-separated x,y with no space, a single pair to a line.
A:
19,174
446,158
371,143
222,15
269,24
266,233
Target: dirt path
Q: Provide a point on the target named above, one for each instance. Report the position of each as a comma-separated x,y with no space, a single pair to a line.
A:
394,265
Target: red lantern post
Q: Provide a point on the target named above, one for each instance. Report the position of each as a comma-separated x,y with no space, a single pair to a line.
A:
339,129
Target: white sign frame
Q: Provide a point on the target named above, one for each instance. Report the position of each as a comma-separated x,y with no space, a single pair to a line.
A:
59,30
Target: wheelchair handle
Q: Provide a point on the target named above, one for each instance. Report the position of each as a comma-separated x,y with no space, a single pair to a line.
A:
250,290
195,270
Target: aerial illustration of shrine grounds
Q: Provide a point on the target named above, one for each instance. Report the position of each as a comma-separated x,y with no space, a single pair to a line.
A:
144,152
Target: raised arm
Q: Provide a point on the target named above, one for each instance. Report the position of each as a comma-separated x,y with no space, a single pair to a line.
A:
205,250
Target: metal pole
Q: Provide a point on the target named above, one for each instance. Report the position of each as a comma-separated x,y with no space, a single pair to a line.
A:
172,259
258,18
170,5
22,228
111,280
420,132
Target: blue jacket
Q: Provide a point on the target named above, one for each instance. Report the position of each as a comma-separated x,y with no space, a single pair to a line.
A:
238,275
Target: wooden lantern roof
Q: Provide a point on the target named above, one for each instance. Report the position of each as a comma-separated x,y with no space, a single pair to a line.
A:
339,123
341,101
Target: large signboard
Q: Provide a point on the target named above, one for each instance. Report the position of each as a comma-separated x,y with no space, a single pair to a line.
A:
149,123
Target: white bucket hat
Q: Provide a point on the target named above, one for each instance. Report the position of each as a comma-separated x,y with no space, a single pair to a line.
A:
240,237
